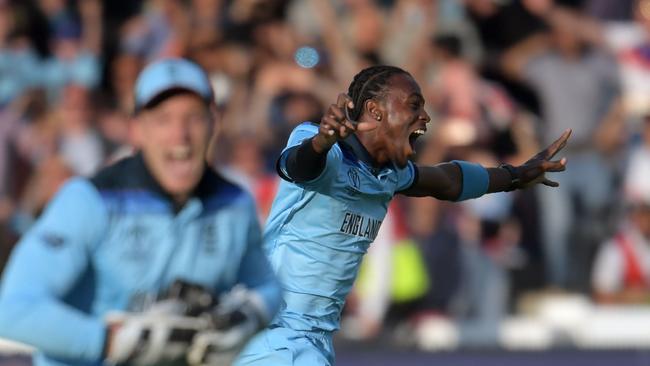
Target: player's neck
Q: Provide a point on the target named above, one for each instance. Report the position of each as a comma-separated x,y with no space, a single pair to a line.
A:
179,201
374,147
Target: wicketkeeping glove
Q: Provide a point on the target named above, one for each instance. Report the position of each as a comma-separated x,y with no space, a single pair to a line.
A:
235,320
163,328
160,334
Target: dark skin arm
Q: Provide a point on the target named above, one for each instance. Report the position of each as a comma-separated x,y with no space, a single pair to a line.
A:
444,181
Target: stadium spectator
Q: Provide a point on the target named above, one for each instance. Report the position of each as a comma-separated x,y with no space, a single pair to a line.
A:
79,144
622,268
17,58
578,87
75,47
621,271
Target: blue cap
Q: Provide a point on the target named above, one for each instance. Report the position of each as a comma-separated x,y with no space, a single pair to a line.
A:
171,73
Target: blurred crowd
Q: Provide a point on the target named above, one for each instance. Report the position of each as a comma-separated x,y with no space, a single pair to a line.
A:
501,78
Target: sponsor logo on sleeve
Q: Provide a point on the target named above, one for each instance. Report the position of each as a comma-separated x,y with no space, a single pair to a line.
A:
53,240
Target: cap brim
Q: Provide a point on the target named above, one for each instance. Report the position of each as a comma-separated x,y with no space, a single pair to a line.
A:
168,93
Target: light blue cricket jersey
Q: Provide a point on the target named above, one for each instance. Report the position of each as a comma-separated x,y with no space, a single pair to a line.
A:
101,242
318,232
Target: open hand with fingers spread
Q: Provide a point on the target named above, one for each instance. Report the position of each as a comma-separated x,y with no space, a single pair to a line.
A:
533,171
336,124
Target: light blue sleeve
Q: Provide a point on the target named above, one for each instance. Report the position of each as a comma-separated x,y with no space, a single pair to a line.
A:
255,270
305,131
44,266
406,177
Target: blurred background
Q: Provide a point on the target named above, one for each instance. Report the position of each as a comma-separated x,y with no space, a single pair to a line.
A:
523,278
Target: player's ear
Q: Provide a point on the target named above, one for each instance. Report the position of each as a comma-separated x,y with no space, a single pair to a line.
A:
373,110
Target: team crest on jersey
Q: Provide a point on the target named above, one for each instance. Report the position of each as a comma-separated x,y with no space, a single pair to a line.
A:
353,178
136,236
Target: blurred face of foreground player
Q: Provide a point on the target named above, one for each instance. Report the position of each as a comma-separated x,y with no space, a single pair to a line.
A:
399,113
173,134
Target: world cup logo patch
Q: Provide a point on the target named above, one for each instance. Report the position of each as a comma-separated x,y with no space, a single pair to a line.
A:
353,177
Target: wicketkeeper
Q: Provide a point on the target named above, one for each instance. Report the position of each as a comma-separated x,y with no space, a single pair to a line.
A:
154,260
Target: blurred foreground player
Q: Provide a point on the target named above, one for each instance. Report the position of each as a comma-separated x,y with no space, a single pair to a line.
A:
339,177
156,259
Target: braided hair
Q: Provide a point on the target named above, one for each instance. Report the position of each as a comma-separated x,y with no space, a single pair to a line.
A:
368,83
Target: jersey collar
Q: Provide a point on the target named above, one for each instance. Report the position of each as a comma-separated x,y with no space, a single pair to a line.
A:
353,144
209,183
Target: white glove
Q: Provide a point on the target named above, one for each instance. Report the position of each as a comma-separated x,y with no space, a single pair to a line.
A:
160,334
239,315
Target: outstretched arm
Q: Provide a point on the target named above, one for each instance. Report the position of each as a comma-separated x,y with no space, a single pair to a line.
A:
459,180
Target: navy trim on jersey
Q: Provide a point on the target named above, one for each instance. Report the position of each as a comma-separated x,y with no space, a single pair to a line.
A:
130,181
135,201
416,177
130,173
223,197
352,145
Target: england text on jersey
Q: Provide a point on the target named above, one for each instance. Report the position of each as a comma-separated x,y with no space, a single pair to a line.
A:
355,224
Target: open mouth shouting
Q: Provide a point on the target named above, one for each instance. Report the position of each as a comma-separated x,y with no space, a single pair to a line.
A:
180,161
415,135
